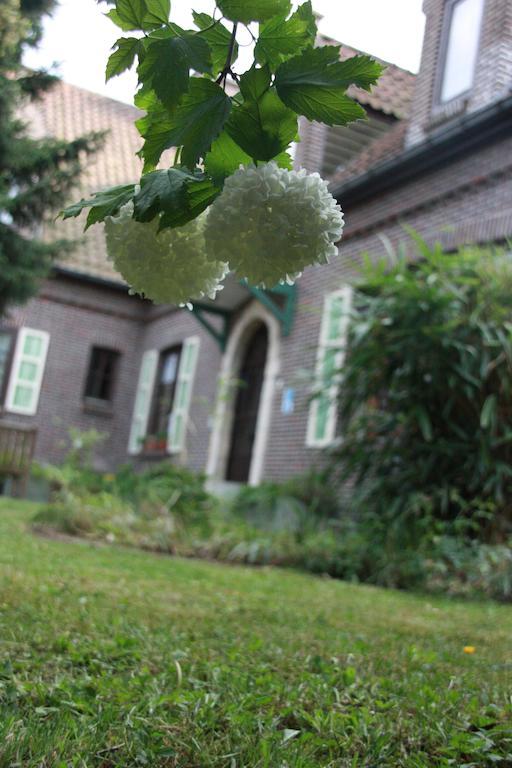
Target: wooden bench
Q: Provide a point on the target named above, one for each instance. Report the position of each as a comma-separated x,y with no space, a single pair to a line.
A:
17,445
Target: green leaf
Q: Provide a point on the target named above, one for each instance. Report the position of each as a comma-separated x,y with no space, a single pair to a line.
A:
154,127
488,413
360,70
167,62
314,84
133,13
197,121
284,160
162,191
224,157
253,10
158,11
126,26
106,203
424,423
198,196
218,38
305,12
123,58
263,128
281,38
254,83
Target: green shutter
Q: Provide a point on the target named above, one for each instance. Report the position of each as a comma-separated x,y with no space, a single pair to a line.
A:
179,416
321,427
143,398
27,371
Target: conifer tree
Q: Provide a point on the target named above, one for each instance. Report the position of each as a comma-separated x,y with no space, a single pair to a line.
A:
36,175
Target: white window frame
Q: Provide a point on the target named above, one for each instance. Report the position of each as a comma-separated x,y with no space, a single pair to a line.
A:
449,11
21,357
325,344
186,378
143,400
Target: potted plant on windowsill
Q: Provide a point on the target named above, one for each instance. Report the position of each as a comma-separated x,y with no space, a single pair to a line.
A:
155,443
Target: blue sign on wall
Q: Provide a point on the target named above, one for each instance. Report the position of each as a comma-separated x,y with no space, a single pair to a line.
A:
288,401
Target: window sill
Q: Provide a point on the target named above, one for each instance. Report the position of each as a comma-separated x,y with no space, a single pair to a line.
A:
441,113
97,408
154,455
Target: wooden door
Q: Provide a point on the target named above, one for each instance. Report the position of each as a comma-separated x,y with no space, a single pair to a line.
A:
247,406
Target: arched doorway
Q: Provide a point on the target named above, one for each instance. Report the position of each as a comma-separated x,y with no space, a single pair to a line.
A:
247,403
250,320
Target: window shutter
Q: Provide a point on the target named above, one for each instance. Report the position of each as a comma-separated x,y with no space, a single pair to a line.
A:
321,428
143,400
184,385
27,371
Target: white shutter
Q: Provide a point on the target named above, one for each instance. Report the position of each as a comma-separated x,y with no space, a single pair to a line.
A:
27,371
184,385
321,429
143,399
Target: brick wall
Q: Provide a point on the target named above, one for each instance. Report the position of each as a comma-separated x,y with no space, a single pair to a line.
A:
493,75
78,316
469,201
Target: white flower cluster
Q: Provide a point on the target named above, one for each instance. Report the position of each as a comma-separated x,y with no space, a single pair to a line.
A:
266,226
270,223
169,267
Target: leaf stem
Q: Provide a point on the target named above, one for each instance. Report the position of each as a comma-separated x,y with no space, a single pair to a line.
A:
227,66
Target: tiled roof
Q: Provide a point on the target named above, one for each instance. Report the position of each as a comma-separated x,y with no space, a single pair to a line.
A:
383,148
393,92
67,112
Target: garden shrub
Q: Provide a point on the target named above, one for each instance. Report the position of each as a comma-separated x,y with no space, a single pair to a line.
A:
426,397
296,504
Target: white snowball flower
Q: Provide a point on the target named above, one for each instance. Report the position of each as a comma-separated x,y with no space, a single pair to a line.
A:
270,223
169,267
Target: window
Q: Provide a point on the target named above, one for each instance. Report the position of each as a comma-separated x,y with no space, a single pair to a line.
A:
6,339
163,397
463,19
99,385
331,350
165,389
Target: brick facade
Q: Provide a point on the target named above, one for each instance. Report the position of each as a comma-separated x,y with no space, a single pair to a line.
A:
467,199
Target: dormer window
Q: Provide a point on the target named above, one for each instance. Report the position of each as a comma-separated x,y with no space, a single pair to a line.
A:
461,41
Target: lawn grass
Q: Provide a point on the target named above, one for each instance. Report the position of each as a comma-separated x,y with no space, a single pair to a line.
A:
114,657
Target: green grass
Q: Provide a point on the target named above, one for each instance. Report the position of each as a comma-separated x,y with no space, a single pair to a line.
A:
114,657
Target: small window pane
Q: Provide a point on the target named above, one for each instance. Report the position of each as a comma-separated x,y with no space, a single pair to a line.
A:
101,374
335,318
33,346
23,396
322,415
329,365
462,48
165,391
5,351
188,363
177,428
170,368
28,372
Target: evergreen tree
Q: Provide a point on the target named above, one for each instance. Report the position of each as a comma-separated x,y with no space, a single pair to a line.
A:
36,176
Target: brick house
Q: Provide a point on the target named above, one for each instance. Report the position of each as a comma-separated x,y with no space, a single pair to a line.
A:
436,154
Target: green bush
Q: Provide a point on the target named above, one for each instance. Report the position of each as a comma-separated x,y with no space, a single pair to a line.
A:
176,489
426,398
297,504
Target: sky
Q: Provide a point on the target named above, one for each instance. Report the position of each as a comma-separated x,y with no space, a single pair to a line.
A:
78,37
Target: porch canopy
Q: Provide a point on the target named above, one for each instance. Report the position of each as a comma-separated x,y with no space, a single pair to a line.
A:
280,300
